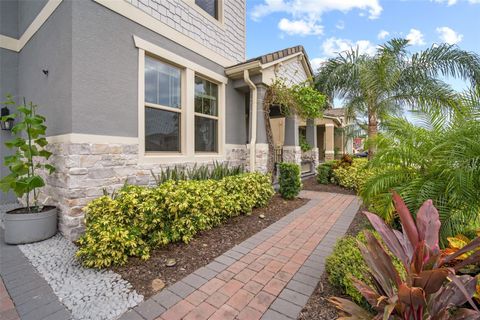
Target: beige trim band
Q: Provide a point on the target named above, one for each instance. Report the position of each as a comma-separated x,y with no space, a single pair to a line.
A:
91,138
133,13
18,44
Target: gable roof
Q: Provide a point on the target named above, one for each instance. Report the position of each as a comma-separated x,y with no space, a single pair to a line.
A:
335,112
278,55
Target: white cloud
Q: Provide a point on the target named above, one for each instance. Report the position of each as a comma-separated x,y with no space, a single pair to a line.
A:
452,2
415,37
332,46
300,27
383,34
316,63
309,12
340,25
449,2
449,36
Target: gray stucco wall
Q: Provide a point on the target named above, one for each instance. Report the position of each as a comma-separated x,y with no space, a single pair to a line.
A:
27,11
9,18
8,85
235,116
105,73
50,49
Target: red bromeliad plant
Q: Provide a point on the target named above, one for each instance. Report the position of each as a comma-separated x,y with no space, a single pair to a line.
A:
430,290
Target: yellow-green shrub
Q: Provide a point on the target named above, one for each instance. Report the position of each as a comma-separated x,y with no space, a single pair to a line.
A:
140,218
352,176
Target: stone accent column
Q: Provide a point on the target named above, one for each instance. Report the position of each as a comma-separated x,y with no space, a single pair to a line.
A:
261,147
291,148
329,142
312,154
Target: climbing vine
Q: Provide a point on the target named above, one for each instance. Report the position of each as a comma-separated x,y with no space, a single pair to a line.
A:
300,99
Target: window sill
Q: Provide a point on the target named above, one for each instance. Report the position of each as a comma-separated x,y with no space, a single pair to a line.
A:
175,158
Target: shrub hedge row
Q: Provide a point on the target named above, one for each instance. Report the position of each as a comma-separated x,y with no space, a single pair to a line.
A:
138,219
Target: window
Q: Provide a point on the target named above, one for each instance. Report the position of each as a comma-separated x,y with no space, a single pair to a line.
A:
209,6
163,106
206,115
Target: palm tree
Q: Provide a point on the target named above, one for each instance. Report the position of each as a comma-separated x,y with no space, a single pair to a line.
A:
393,79
437,159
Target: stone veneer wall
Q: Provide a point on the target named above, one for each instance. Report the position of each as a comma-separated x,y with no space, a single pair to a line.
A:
84,170
227,40
312,157
292,154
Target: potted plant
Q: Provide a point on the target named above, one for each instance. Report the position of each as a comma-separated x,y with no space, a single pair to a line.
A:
34,222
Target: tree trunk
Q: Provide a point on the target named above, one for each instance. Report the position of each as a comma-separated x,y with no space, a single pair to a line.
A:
372,132
271,147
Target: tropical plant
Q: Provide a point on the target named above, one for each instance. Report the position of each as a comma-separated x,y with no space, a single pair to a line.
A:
456,243
438,159
346,261
290,181
137,219
391,79
430,289
30,145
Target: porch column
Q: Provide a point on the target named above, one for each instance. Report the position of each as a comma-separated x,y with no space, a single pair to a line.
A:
312,154
261,146
291,147
329,142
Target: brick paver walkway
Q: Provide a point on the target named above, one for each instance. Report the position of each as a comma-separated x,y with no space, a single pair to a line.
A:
269,276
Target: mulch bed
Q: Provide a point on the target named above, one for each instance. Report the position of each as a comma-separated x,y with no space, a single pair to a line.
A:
203,249
318,308
312,184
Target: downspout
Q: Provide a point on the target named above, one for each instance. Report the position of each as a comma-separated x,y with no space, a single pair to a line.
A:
253,138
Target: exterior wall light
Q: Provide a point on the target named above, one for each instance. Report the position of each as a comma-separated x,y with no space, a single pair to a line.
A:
6,123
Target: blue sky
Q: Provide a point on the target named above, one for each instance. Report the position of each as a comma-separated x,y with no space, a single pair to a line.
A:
324,27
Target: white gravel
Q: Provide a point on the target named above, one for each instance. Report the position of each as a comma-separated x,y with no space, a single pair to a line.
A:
87,293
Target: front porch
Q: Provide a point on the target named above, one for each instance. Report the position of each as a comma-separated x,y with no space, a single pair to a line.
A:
325,138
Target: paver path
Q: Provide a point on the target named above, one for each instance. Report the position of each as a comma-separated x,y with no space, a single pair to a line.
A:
24,294
269,276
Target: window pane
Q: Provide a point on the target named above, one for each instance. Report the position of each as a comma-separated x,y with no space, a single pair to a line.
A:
206,97
162,130
210,6
162,83
206,138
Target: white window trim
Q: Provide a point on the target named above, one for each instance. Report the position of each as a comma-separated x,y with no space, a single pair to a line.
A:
208,116
188,108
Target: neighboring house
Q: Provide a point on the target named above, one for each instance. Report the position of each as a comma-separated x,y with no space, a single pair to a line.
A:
130,87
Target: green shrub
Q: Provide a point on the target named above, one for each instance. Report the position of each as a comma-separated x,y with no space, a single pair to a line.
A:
141,218
325,172
290,180
352,176
347,261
